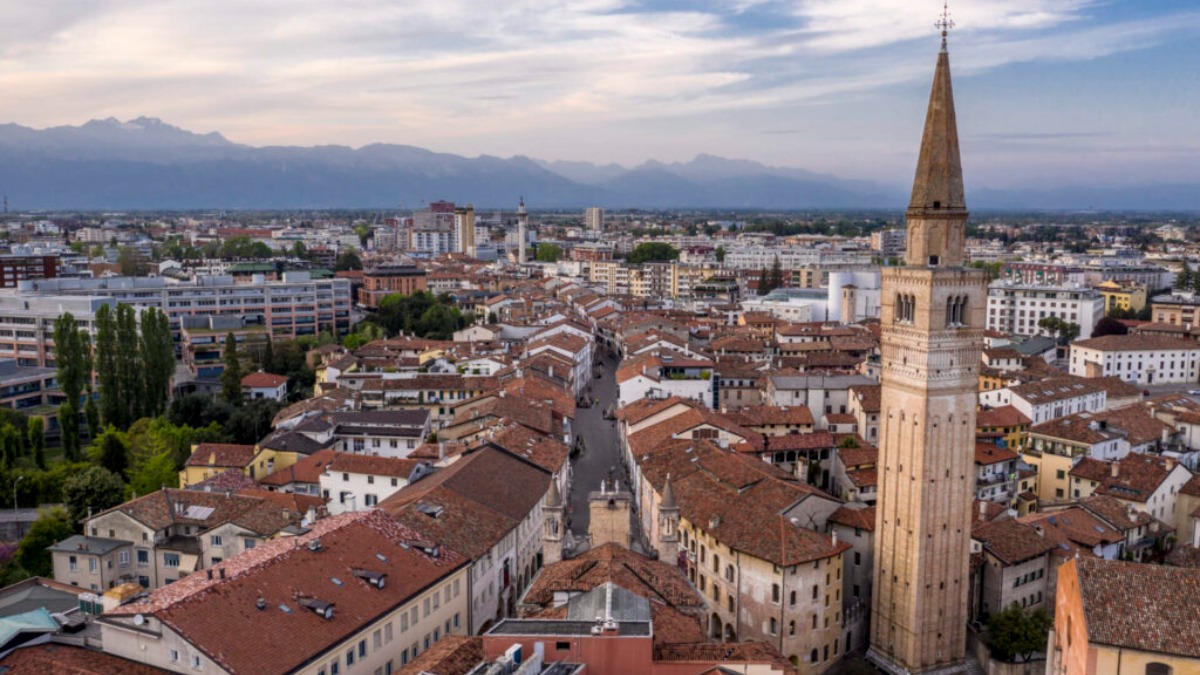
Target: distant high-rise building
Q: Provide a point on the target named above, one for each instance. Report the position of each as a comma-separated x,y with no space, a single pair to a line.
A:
933,320
890,242
464,226
522,226
593,218
433,232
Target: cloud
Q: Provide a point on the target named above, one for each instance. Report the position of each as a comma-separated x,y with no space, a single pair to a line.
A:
490,75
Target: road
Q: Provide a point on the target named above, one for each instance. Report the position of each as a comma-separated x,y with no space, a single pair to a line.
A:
601,452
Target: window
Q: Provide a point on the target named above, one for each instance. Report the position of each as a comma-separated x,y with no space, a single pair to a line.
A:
362,648
377,638
92,565
335,668
73,563
215,540
370,480
1158,669
776,594
249,543
170,560
123,558
174,656
387,632
196,662
349,658
143,557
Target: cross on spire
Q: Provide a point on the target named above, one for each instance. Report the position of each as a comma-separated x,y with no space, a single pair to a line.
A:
945,23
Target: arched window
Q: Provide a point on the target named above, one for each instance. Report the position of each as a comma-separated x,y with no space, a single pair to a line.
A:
814,657
1158,669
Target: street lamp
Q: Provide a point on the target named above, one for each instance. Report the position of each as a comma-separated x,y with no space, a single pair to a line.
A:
16,517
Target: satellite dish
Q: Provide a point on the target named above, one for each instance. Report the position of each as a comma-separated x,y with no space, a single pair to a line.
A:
138,619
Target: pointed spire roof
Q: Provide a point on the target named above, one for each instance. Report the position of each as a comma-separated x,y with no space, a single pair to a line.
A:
668,498
938,184
553,497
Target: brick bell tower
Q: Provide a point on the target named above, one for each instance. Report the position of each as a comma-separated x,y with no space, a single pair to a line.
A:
932,336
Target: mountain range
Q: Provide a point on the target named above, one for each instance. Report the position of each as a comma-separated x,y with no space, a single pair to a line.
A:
145,163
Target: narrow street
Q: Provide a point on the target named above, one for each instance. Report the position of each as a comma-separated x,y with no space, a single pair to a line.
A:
600,453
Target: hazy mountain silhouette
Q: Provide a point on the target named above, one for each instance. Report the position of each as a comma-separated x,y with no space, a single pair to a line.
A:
148,164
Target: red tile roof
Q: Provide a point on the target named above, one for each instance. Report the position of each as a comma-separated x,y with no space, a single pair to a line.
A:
349,462
265,380
1150,608
1012,541
307,470
218,616
225,455
58,659
860,518
452,655
651,579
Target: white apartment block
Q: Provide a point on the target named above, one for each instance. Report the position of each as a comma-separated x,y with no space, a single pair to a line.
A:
1137,359
791,257
1016,308
593,219
293,306
27,324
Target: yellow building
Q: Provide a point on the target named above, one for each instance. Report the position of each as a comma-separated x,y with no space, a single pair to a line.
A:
1125,296
255,461
1103,624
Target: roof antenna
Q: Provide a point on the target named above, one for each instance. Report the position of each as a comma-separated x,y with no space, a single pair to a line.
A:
945,23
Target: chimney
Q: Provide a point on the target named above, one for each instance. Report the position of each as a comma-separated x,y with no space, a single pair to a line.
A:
1116,469
834,534
982,510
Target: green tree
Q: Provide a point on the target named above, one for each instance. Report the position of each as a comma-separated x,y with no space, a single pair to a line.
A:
129,368
94,488
130,262
653,251
37,441
10,446
91,413
1064,331
111,451
764,282
776,274
157,354
107,379
231,377
548,253
1186,278
1013,633
348,260
73,372
1109,325
364,235
720,254
33,553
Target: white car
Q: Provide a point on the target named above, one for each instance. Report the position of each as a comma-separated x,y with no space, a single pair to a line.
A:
1194,392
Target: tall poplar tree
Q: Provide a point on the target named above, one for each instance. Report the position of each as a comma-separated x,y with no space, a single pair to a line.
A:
231,378
73,372
128,364
106,366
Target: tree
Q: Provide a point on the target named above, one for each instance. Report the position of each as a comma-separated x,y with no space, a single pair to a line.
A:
348,260
764,282
1014,633
776,274
111,451
1186,279
33,554
1109,326
128,363
106,366
548,253
93,489
10,446
158,361
231,377
1065,331
720,254
37,441
364,234
73,372
653,251
131,263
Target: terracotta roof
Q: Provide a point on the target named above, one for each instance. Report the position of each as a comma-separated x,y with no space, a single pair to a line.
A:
855,457
738,500
1115,512
465,506
267,380
1075,527
307,470
730,652
229,480
863,478
1150,608
840,418
861,518
349,462
868,397
987,453
1136,343
218,616
548,453
1138,475
651,579
651,437
452,655
59,659
1011,540
225,455
1004,416
773,415
1056,389
648,407
1184,556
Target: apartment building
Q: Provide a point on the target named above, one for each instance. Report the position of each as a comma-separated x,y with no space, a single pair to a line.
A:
1016,308
1137,359
384,280
17,268
356,593
27,324
293,306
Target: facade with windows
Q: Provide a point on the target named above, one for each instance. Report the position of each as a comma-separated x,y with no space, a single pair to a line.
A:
1016,308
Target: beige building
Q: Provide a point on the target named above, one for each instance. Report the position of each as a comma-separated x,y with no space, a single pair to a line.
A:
357,593
932,340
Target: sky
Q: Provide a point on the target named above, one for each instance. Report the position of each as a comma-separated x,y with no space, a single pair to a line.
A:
1049,92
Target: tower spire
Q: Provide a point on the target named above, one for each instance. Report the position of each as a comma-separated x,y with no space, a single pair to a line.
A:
945,23
937,211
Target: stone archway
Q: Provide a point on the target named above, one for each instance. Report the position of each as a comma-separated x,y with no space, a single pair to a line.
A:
730,633
714,627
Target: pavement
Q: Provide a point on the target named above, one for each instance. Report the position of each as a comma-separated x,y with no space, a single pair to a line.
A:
601,454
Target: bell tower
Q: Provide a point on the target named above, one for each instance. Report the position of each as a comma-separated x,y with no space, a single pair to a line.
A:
554,528
932,336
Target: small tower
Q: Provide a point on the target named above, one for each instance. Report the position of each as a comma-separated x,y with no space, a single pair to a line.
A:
610,515
668,525
522,224
552,535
